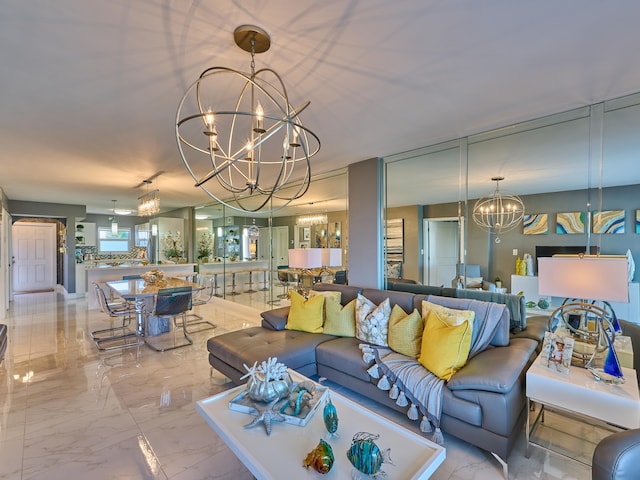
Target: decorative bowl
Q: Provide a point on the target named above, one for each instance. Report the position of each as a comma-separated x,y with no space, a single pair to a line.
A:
153,277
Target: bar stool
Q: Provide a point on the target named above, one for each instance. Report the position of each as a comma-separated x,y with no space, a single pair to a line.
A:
216,287
265,282
251,290
233,284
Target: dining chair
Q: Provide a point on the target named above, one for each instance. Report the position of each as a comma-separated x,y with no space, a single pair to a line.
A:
122,336
169,304
340,277
200,297
283,278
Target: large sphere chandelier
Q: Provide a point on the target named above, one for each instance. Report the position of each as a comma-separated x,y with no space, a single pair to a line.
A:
498,212
241,130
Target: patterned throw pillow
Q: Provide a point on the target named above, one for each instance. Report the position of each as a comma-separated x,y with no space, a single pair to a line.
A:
306,315
445,348
405,331
372,322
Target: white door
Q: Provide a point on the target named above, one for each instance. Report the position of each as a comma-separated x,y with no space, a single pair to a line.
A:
441,248
277,247
34,256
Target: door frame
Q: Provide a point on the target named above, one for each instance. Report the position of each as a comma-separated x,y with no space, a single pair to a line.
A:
53,265
425,242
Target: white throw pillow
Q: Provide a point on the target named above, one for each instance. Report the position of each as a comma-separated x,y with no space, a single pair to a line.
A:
372,321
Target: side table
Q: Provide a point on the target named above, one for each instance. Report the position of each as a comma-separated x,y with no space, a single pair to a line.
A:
579,396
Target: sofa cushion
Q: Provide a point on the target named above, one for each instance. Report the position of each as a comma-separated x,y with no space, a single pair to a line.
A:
306,315
372,321
292,347
445,348
405,331
404,299
343,355
493,370
340,321
275,319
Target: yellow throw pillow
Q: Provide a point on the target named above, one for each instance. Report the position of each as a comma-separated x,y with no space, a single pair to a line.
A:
337,296
405,331
451,316
340,321
306,315
445,348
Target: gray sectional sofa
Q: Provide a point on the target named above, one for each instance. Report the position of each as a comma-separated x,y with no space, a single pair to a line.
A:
484,403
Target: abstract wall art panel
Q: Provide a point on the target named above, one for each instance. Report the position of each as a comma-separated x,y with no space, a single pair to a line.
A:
637,221
570,223
394,239
535,224
610,221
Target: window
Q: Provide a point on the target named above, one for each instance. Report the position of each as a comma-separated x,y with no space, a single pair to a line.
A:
109,242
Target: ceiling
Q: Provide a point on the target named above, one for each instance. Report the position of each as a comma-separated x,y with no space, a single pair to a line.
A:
90,88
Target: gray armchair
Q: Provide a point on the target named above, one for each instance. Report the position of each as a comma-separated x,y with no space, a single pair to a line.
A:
473,278
616,457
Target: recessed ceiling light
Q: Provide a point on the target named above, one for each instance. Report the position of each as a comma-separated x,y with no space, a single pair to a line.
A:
119,211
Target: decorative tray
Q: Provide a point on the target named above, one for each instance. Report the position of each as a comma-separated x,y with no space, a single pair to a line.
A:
242,403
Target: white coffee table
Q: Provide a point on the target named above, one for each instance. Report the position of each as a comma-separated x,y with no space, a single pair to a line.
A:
281,454
578,395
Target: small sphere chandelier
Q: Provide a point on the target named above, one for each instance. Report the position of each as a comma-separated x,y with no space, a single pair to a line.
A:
252,142
498,212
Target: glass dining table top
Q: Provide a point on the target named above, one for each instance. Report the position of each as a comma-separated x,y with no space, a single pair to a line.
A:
139,288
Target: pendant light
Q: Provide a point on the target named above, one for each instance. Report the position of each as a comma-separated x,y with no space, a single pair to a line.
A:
114,221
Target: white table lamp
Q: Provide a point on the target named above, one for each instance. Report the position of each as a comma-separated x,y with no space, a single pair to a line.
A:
583,280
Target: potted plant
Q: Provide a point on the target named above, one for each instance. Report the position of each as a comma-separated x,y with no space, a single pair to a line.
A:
498,282
173,247
204,247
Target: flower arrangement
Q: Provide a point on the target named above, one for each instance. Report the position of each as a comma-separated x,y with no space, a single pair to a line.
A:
204,246
173,247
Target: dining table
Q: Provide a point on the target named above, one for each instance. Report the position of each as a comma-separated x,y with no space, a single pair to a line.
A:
143,294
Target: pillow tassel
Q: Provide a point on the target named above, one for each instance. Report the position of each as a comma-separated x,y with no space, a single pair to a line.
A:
374,371
367,353
412,413
402,400
383,384
393,393
437,436
425,425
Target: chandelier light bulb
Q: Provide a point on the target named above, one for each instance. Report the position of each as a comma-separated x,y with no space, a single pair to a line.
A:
209,120
259,119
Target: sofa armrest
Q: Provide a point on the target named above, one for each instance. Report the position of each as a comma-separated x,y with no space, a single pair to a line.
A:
275,319
496,369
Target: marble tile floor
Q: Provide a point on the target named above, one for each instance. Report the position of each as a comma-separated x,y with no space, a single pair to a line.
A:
68,411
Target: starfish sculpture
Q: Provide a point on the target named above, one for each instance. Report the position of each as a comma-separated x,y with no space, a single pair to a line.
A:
266,415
